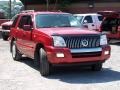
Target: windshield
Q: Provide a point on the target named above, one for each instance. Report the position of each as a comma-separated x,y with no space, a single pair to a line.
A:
56,20
79,18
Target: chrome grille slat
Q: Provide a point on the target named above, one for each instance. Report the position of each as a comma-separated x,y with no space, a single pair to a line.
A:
73,42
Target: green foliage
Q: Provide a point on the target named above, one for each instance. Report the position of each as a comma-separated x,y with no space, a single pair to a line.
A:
6,7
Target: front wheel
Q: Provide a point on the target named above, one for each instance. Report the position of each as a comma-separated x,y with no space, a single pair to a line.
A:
44,64
5,37
97,67
15,53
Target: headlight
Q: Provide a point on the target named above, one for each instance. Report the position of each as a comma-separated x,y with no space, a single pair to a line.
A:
59,41
103,40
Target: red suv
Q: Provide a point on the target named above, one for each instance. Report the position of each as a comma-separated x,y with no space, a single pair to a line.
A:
56,38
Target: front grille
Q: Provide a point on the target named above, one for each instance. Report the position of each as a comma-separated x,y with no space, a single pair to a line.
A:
87,54
6,27
74,42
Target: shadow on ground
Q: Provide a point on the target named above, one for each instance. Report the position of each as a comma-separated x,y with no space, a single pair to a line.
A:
117,43
77,75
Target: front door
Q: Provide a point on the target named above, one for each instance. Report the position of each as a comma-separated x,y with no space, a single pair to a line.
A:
25,36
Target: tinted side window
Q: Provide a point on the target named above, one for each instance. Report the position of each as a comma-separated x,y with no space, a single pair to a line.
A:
119,22
15,21
111,21
25,20
100,18
89,19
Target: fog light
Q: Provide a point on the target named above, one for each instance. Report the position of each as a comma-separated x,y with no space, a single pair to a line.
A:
59,55
106,52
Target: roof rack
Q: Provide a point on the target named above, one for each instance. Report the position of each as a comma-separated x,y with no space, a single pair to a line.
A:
26,11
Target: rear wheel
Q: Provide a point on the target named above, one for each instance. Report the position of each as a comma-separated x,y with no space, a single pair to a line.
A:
15,53
97,67
5,37
44,64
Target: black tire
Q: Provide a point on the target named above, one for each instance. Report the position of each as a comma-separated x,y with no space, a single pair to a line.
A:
16,55
97,67
37,59
44,64
5,37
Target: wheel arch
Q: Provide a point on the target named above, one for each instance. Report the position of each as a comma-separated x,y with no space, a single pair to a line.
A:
38,46
36,54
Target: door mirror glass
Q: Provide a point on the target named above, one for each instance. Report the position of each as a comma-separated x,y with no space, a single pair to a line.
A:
85,22
27,27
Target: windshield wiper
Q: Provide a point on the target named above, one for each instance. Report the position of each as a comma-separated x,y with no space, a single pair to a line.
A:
65,26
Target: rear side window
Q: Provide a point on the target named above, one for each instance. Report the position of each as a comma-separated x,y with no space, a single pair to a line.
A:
111,21
100,18
15,21
110,24
89,19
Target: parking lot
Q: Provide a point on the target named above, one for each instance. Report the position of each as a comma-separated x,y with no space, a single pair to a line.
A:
22,75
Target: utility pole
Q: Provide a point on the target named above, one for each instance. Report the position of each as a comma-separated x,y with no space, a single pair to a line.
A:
10,14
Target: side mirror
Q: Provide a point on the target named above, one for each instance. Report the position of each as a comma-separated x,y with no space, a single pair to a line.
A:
85,22
27,27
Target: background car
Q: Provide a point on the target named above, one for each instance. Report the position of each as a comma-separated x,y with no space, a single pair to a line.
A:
6,28
111,25
91,21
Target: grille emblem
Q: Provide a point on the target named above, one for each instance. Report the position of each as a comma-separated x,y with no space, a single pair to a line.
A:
84,43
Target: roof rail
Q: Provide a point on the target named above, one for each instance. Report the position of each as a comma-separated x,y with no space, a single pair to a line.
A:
26,11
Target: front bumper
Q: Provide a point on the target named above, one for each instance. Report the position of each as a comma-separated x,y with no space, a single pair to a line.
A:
66,56
5,32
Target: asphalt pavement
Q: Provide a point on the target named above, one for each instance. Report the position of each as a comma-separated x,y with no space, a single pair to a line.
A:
22,75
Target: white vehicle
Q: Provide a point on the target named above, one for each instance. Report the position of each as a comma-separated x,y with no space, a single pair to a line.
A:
91,21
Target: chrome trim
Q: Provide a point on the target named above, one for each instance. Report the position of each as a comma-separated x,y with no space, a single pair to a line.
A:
85,50
5,30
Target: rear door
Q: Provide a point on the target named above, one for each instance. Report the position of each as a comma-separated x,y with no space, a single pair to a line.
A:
115,32
111,24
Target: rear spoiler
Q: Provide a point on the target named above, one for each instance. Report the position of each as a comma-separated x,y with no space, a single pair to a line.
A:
109,13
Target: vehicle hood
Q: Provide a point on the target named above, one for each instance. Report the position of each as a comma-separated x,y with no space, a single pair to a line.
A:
67,31
9,23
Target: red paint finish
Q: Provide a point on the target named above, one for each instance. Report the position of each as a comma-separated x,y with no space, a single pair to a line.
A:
27,40
51,51
3,21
